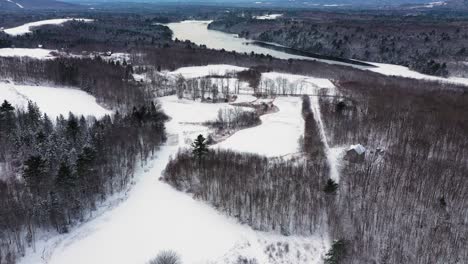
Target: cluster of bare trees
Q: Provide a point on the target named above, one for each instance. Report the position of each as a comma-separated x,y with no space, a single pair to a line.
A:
54,174
234,118
267,194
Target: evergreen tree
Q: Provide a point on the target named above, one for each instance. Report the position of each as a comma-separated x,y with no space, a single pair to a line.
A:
65,180
34,173
330,187
337,252
200,148
6,107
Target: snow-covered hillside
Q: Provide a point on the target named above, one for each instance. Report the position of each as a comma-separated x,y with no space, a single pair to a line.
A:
27,28
51,100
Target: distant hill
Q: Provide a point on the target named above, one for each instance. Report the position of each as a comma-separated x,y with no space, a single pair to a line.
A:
11,5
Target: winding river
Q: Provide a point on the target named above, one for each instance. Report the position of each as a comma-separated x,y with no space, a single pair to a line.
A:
197,31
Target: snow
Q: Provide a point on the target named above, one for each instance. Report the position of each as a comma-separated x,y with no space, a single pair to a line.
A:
26,28
268,17
20,6
51,100
202,71
335,158
31,53
402,71
278,135
156,217
300,84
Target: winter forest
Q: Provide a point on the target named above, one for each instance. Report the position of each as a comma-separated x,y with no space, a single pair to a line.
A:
126,131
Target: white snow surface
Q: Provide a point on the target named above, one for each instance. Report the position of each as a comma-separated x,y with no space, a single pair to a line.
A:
20,6
51,100
268,17
26,28
202,71
402,71
156,217
278,134
31,53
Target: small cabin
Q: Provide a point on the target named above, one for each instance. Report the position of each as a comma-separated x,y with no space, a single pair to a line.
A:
355,153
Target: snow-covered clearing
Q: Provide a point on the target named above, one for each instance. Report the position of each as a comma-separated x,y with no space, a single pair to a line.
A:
202,71
278,135
156,217
27,28
31,53
51,100
268,17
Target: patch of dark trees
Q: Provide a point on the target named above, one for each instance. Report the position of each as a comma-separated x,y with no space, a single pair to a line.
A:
54,173
406,201
114,32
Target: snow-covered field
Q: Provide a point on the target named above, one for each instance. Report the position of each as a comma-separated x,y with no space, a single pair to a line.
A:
268,17
51,100
26,28
156,217
278,134
402,71
31,53
202,71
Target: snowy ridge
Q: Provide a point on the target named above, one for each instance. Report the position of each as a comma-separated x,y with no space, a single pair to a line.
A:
27,28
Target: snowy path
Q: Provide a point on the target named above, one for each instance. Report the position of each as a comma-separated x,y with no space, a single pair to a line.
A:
333,154
156,217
